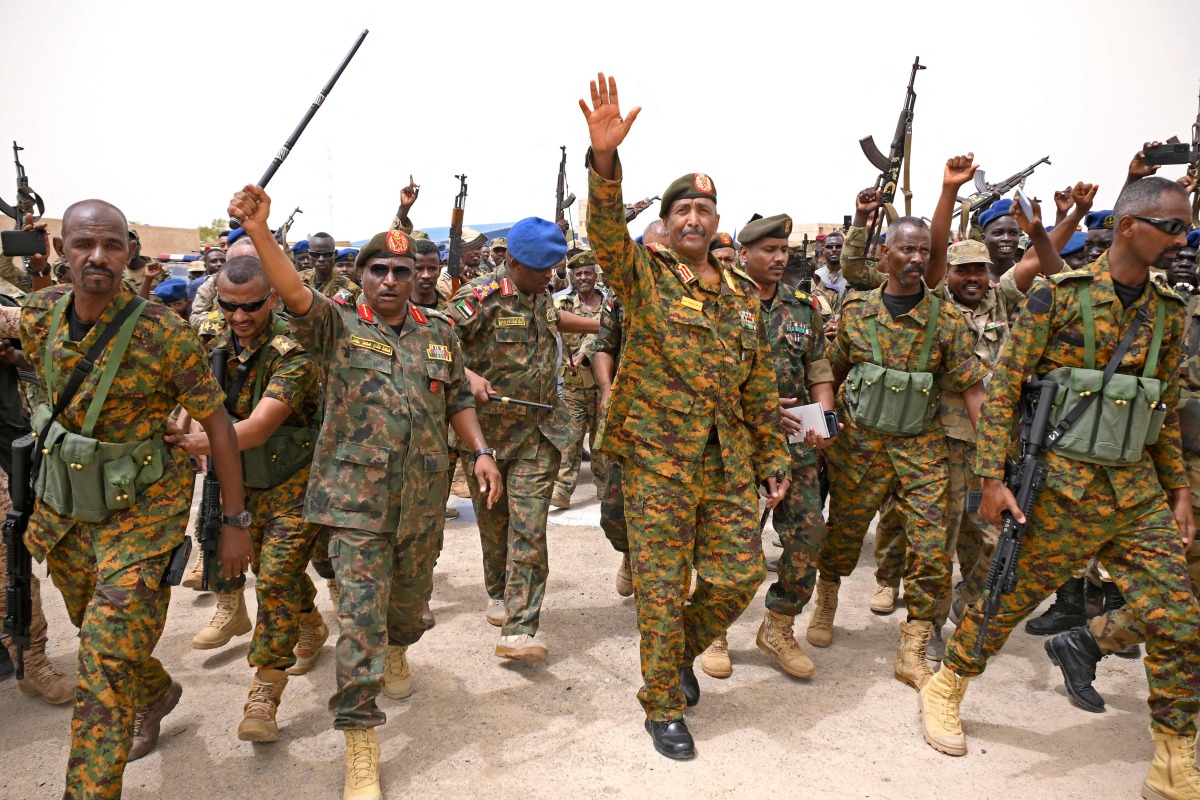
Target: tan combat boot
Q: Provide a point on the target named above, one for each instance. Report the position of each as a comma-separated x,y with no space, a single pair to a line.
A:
495,612
313,634
910,665
937,705
1173,773
825,601
624,579
775,637
41,678
362,766
258,715
560,498
195,576
715,659
397,679
522,647
883,599
229,620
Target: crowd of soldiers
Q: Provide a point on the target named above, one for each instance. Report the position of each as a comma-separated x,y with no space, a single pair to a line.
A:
352,385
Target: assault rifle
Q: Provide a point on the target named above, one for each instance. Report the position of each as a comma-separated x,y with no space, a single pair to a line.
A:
633,209
18,619
1194,168
208,526
454,257
562,200
1024,479
282,231
988,193
889,166
21,242
805,281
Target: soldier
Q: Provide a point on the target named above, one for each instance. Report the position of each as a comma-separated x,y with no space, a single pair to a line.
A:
794,328
472,252
605,352
108,544
694,419
426,274
323,277
344,265
1074,255
300,256
135,270
1181,271
393,380
1100,497
724,250
829,277
509,333
1099,233
499,247
579,384
1001,236
271,389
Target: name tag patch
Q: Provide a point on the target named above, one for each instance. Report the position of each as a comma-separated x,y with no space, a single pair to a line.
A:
511,322
438,352
372,345
691,303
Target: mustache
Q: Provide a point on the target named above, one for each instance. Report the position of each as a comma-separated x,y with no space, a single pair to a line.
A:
690,229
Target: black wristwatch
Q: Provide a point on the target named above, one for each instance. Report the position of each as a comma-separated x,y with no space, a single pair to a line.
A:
485,451
238,520
33,273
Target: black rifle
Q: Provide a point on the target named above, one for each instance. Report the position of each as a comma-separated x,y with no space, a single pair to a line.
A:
18,619
633,209
562,200
889,166
27,199
1193,169
805,280
1024,479
208,526
454,257
282,231
988,193
234,222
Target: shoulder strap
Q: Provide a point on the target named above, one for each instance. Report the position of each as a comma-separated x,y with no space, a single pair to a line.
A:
1160,317
243,372
1193,344
112,363
876,351
1089,327
930,331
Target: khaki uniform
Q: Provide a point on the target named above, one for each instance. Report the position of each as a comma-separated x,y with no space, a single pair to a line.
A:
580,396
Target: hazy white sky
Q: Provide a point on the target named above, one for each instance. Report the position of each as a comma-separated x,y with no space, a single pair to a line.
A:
165,108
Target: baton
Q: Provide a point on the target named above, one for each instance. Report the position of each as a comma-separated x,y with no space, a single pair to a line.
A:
495,398
234,222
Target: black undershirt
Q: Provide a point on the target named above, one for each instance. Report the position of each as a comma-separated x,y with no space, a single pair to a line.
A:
1128,294
432,305
78,329
898,305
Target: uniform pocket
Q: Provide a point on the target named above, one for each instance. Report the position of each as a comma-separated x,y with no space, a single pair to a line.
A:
362,472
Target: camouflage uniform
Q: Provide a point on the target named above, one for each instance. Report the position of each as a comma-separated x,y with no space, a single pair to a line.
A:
379,478
281,540
580,399
110,574
865,466
1118,513
794,328
511,339
607,471
336,284
694,418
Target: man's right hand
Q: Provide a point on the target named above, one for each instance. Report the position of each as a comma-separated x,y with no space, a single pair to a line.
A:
606,126
997,499
481,387
252,206
959,170
865,202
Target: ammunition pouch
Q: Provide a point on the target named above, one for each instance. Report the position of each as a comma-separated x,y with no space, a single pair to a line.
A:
289,450
1189,419
1127,415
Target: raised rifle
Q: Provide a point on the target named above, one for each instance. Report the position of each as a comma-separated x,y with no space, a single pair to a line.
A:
988,193
1193,168
1024,478
454,257
21,242
234,222
18,619
889,166
805,281
562,200
208,526
633,209
282,231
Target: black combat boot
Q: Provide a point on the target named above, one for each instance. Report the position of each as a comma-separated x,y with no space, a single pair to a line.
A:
1113,599
672,739
7,668
690,686
1077,654
1066,612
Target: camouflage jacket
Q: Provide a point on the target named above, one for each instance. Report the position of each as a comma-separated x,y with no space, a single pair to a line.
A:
336,284
205,301
696,358
794,328
164,366
1048,334
381,463
860,273
952,360
511,339
611,337
575,343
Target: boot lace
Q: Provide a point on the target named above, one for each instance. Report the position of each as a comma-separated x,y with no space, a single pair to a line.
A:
227,606
362,760
719,645
949,707
139,717
395,667
45,673
1185,758
823,613
307,641
261,702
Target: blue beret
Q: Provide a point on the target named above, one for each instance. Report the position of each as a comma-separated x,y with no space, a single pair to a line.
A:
1075,244
171,289
1000,208
346,253
537,243
300,246
234,235
1193,238
1099,219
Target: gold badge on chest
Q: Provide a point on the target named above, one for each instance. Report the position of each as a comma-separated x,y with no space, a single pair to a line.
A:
370,344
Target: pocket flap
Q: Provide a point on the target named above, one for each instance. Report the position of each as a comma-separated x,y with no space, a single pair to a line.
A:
1151,390
1121,387
363,454
896,381
437,462
121,471
78,449
1087,380
438,371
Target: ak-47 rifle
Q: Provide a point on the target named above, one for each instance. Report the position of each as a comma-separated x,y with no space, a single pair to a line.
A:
282,231
889,166
806,268
454,257
988,193
633,209
208,526
21,242
562,200
1194,169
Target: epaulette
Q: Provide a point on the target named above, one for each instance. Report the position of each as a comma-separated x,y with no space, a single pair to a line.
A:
854,296
661,250
433,313
339,298
485,289
744,277
1168,292
1072,274
807,299
283,345
417,314
365,313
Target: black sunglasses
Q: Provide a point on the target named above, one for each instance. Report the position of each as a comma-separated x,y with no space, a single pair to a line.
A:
1171,227
326,254
400,274
249,308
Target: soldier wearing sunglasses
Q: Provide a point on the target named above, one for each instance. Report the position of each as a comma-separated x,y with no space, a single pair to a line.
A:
322,276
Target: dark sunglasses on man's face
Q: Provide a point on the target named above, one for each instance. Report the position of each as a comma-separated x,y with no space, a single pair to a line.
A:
1171,227
249,308
399,274
327,255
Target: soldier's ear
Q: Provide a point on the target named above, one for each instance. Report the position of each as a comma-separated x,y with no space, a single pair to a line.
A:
59,247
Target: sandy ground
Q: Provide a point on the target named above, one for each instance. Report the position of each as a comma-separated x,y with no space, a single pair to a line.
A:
479,727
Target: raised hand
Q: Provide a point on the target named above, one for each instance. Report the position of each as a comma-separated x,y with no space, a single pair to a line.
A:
959,170
868,200
409,195
1083,195
606,126
1063,201
252,206
1138,168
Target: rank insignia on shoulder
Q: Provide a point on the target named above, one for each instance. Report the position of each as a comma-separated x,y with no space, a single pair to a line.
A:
748,322
438,352
485,290
370,344
506,287
417,314
465,308
692,303
685,274
366,313
339,299
511,322
807,299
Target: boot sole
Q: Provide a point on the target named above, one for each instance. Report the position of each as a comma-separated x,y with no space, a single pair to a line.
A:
809,639
297,669
495,622
1150,793
941,748
1075,699
255,734
908,682
794,673
398,695
882,611
714,673
239,631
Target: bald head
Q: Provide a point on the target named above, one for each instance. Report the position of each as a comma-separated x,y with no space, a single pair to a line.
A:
93,211
655,233
242,247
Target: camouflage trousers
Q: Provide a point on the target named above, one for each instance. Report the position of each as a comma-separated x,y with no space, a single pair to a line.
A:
607,472
282,543
919,484
581,404
119,622
801,529
712,523
1140,546
384,580
321,561
1120,629
516,561
37,624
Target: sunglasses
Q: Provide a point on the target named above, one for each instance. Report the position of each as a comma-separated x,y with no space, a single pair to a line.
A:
328,255
249,308
1171,227
399,274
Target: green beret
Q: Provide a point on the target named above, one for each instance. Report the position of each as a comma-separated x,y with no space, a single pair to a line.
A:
694,184
387,244
760,227
721,240
584,258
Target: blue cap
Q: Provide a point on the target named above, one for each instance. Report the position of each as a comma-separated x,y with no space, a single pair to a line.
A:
234,235
1000,208
1075,244
1099,219
171,289
537,243
1193,238
346,253
300,246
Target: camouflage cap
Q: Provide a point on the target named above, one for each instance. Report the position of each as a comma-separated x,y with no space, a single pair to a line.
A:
418,235
584,258
967,251
387,244
499,243
760,227
694,184
472,239
721,240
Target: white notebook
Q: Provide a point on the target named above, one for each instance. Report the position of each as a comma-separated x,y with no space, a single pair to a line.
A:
810,416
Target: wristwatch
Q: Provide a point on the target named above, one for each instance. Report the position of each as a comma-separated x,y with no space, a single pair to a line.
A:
485,451
238,520
34,273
